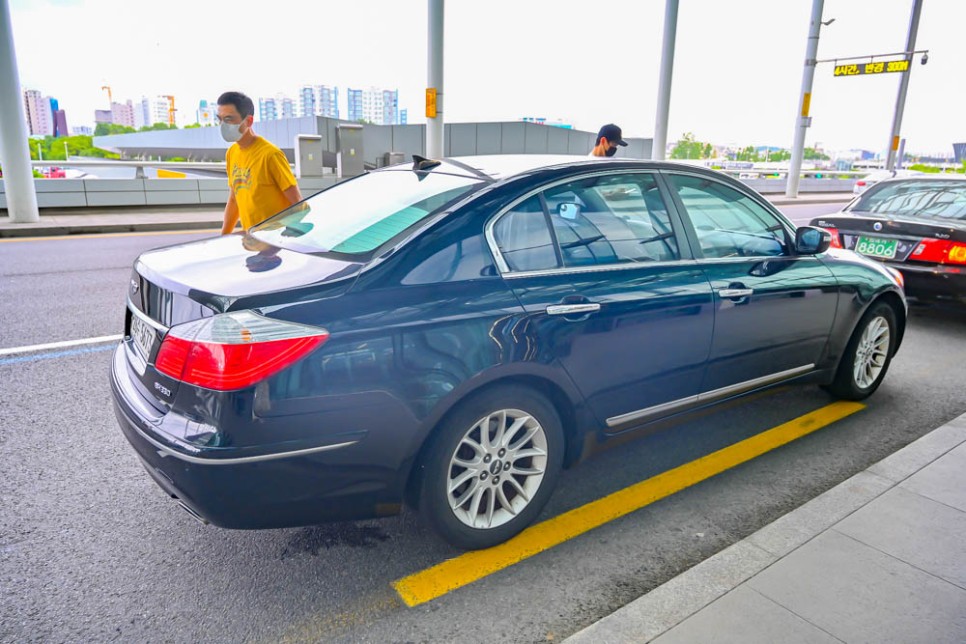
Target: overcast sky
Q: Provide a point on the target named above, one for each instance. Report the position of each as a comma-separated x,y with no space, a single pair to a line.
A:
737,71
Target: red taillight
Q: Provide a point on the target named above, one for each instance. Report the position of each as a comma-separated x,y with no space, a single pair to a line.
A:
939,251
834,232
860,183
234,350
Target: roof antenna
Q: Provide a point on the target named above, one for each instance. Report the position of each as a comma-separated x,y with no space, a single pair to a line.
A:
422,164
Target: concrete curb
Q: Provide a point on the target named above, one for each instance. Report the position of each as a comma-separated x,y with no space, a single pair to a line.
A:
678,599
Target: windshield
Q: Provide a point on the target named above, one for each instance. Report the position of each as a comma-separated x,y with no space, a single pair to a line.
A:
929,199
358,216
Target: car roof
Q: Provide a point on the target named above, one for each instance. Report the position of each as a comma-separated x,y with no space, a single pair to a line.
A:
925,178
504,166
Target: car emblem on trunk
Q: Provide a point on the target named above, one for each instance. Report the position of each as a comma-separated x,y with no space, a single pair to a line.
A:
877,226
134,286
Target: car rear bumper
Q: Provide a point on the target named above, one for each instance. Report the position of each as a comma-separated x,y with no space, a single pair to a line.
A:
935,280
235,489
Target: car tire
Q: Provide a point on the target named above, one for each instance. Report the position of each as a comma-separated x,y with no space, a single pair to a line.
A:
867,356
466,494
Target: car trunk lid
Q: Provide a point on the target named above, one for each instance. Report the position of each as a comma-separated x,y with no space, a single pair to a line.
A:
179,284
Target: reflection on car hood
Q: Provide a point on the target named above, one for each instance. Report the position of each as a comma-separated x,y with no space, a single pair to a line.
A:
234,266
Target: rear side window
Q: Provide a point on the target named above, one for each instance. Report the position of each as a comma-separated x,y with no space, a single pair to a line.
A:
523,237
611,219
727,222
358,216
594,221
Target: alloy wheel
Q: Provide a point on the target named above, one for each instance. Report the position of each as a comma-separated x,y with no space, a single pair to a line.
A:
497,468
872,353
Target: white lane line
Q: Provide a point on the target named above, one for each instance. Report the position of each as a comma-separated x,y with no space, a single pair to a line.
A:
60,345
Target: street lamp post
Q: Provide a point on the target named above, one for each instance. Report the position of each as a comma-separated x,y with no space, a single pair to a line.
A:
18,178
802,119
66,152
891,151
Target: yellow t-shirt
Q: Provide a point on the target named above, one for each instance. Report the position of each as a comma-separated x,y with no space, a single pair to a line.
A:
257,176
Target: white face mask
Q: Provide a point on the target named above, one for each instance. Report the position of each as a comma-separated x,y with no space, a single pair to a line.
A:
230,131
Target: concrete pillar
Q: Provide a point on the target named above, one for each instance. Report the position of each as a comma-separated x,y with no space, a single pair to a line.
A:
659,147
903,87
802,119
434,124
18,178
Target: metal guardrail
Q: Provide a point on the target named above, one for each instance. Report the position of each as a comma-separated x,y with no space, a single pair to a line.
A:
210,166
217,166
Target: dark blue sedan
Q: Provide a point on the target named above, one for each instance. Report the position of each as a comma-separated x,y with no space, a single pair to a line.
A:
451,333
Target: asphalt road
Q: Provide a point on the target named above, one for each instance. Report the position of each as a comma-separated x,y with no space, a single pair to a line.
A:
92,550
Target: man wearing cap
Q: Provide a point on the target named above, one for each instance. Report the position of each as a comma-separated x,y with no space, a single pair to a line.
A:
607,141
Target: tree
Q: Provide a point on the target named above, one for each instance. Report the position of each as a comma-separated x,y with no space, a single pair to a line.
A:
192,126
54,149
103,129
688,148
813,154
157,126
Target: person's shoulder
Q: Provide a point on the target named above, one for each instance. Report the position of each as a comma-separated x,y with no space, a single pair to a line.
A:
267,145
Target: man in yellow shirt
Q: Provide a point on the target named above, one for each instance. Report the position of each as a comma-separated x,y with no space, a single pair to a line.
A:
260,181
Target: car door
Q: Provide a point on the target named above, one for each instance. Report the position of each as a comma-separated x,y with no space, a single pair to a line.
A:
773,309
611,293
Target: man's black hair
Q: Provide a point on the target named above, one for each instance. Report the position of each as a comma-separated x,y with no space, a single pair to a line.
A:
242,103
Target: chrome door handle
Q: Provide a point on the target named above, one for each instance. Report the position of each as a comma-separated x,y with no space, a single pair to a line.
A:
572,309
735,292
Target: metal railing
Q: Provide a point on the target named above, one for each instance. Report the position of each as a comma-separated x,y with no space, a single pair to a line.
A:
209,166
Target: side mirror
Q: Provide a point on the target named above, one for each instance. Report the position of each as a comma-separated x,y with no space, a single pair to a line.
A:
810,240
568,210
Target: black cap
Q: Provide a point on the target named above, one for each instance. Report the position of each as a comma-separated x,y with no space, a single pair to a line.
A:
612,133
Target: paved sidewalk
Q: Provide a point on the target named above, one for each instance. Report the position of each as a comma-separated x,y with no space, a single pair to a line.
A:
86,221
878,558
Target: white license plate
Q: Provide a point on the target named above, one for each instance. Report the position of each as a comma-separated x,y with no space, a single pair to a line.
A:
143,335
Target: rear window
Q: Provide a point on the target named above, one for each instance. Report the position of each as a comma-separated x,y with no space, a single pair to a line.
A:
928,199
358,216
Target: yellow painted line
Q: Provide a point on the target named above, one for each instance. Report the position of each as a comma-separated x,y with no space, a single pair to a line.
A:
455,573
100,235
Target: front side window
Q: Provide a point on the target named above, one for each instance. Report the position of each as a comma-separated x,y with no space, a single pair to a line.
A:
727,222
358,216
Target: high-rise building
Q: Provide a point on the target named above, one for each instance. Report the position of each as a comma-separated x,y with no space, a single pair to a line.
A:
40,119
60,123
380,106
58,117
390,107
142,113
403,117
160,110
307,104
372,105
102,116
206,113
354,98
286,107
328,101
122,113
318,100
82,130
267,110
